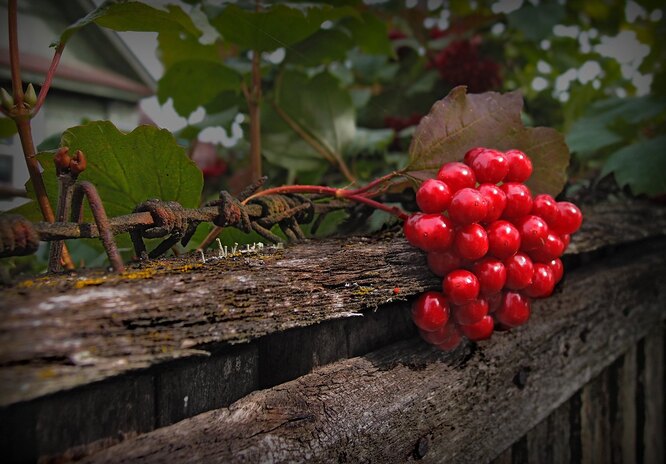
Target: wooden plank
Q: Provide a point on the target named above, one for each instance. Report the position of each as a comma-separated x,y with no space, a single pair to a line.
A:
623,408
538,443
559,430
505,457
377,407
55,336
595,421
653,432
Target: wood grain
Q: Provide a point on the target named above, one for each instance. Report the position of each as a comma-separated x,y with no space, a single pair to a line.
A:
377,407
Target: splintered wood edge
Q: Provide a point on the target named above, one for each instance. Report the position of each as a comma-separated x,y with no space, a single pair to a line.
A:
461,407
55,336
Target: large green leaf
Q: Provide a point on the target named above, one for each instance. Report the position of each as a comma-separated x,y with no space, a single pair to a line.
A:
126,169
320,106
133,16
195,83
461,121
537,22
370,34
280,26
175,46
7,128
322,47
641,166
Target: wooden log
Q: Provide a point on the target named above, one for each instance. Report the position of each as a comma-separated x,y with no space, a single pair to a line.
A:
460,407
653,378
595,422
623,408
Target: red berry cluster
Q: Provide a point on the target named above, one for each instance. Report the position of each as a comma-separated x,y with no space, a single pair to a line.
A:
461,63
495,246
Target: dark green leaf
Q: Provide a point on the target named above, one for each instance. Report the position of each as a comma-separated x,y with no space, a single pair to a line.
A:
460,121
589,135
537,22
7,128
370,34
281,26
322,47
641,166
175,46
195,83
369,140
133,16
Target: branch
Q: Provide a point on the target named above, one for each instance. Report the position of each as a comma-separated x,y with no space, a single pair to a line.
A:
49,77
17,84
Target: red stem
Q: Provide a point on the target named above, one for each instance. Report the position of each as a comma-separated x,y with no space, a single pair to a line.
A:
49,77
17,85
375,182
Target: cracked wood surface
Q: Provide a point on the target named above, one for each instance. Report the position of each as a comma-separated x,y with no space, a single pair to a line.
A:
60,332
408,399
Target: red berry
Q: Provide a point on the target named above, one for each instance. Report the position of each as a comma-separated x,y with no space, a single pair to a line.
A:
490,166
496,201
503,239
518,200
552,248
543,282
491,274
452,342
430,311
470,312
460,286
468,205
441,334
514,310
443,262
457,176
566,239
569,220
471,154
558,269
433,196
545,207
520,166
494,302
519,271
533,232
429,232
471,242
480,330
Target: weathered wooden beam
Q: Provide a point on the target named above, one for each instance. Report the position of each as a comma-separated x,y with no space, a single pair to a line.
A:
407,398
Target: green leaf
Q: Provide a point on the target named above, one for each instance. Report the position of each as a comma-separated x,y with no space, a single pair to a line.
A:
320,105
641,166
369,140
589,135
195,83
133,16
322,47
175,46
460,122
126,169
370,34
281,26
537,22
7,128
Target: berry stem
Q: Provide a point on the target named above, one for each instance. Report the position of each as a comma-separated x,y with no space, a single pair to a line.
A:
47,80
376,182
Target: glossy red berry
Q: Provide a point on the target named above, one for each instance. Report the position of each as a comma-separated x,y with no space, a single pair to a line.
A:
518,200
519,271
433,196
470,312
503,239
430,311
468,205
566,239
471,154
471,242
443,262
429,232
496,201
490,166
491,274
460,286
494,302
543,282
569,220
552,248
457,176
545,207
441,334
558,269
452,342
480,330
513,311
533,232
520,166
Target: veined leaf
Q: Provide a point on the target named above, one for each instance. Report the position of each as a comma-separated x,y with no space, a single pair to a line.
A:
641,166
133,16
195,83
126,169
7,128
461,121
280,26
